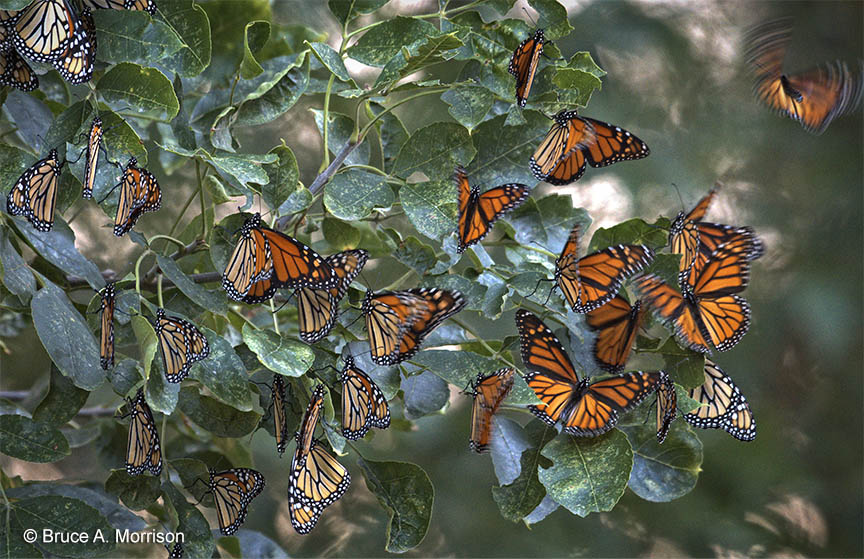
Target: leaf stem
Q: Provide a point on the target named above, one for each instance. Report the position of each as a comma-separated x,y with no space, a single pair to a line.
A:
201,193
159,291
483,343
369,168
399,281
182,212
275,318
177,242
326,124
369,124
138,271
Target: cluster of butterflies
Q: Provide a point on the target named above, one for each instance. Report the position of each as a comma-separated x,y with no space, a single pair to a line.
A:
56,32
34,194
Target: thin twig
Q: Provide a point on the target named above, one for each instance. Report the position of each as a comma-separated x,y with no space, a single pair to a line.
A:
191,247
322,179
207,277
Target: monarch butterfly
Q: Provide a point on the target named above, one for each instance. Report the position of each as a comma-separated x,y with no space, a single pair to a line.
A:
14,70
76,63
94,142
667,406
363,404
175,552
616,324
142,449
398,321
279,419
591,281
724,407
265,260
35,192
44,29
233,490
523,64
708,308
574,140
488,392
695,239
317,479
584,408
106,339
317,309
139,193
141,5
182,344
815,97
478,212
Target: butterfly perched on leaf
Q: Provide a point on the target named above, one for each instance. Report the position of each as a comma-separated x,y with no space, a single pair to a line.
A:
584,408
34,194
317,479
616,324
139,193
399,321
488,392
813,97
523,64
181,345
363,404
479,212
667,406
574,141
280,421
233,490
593,280
77,62
723,405
265,260
106,336
317,309
143,452
14,70
94,143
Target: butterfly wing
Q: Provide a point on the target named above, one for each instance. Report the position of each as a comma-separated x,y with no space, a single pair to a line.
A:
602,403
673,309
44,29
612,144
489,392
389,315
14,70
295,265
280,422
479,212
77,62
140,5
684,233
233,490
616,324
559,158
435,306
181,345
142,449
667,406
723,405
34,194
523,65
94,141
247,276
363,404
317,309
317,481
106,337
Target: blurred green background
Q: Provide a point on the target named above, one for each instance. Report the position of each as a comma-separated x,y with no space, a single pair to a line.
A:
676,78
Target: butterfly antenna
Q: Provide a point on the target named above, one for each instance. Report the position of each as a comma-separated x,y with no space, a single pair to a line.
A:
680,199
533,21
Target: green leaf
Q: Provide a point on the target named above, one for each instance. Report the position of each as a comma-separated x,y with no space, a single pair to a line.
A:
571,81
331,60
392,135
685,366
239,168
424,394
145,89
117,516
588,474
62,515
339,234
552,17
385,40
25,439
256,544
146,337
284,81
223,237
631,232
339,131
58,247
133,36
32,117
663,473
13,163
431,207
666,267
547,222
283,356
508,442
256,35
284,177
220,419
62,401
354,194
415,254
15,273
503,151
223,373
469,104
405,491
211,300
60,327
422,53
13,4
67,125
191,523
347,10
516,500
189,21
136,492
435,150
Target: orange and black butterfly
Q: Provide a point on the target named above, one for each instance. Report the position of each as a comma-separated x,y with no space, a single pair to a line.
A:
142,449
139,193
723,406
398,321
317,309
574,140
14,70
591,281
523,64
106,339
708,309
317,479
182,344
77,62
141,5
667,406
488,392
94,143
478,212
695,239
584,408
363,404
265,260
280,421
616,324
814,97
233,490
34,194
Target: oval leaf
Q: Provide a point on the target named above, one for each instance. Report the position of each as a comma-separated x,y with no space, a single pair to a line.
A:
286,357
23,438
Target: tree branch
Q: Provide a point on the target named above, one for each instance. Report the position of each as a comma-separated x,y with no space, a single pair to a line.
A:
322,179
207,277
